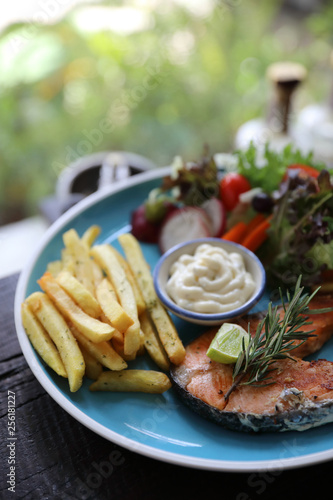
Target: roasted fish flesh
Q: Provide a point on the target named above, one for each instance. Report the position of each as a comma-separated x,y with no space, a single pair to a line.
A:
300,398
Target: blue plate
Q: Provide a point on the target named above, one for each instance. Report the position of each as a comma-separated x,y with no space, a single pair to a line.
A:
157,426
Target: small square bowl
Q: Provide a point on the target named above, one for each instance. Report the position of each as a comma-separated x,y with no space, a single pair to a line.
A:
161,275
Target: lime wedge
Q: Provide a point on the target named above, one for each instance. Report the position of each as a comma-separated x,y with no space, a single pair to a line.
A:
228,343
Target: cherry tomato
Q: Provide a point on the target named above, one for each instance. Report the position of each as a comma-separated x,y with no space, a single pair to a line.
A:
231,186
306,169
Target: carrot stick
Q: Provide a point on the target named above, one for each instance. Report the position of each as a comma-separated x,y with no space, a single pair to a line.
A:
257,237
236,233
254,222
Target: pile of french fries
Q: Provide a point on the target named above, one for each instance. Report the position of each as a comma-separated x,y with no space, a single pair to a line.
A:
96,312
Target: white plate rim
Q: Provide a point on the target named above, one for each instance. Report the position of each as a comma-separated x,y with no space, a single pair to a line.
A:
71,409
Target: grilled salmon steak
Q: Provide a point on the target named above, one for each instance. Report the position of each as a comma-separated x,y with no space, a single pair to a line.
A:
300,398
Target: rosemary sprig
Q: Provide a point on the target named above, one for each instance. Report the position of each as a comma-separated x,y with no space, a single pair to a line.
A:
274,339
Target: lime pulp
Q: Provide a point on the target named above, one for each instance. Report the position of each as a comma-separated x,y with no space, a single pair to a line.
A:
228,343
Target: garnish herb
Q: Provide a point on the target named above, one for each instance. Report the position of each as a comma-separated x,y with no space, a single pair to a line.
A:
275,337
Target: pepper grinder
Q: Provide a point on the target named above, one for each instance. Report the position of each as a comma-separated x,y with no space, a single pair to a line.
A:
276,128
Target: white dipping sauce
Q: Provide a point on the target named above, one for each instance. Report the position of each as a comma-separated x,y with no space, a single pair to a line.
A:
210,281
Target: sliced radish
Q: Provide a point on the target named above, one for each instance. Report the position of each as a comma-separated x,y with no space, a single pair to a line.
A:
215,210
248,196
142,228
183,224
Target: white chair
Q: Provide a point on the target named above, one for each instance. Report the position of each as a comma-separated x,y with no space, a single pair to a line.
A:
89,174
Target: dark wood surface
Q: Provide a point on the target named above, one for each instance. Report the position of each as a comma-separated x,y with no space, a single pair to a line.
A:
58,458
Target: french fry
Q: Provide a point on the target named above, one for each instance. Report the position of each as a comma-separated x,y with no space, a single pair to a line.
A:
80,254
102,352
114,312
60,333
106,259
90,235
153,344
97,273
118,345
119,337
149,381
136,290
79,293
161,319
98,310
142,348
42,341
54,267
92,328
67,260
117,342
93,367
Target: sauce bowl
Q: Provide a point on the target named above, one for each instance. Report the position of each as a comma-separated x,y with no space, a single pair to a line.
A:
161,275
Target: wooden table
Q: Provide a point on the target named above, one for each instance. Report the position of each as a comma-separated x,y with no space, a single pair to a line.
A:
58,458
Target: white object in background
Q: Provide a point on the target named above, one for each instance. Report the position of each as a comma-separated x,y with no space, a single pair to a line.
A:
323,142
277,128
18,241
259,132
314,131
314,128
307,120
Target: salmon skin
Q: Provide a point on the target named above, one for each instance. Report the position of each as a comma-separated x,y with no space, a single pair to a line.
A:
300,398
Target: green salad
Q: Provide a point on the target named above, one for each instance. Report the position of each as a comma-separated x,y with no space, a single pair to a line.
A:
277,204
300,236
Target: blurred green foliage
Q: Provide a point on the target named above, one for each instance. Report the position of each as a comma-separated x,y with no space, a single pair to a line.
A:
189,76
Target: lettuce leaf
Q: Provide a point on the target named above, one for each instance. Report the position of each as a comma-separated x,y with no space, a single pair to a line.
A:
301,232
322,253
266,170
